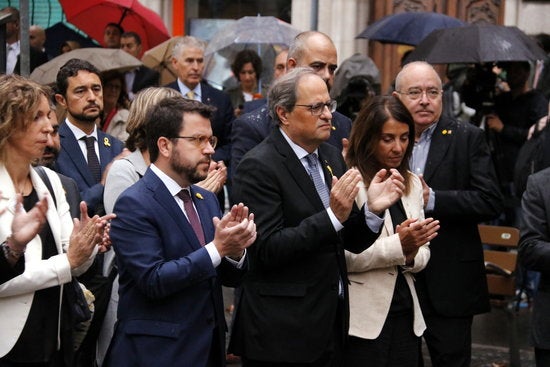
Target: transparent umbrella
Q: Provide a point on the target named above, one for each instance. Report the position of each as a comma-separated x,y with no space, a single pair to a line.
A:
262,34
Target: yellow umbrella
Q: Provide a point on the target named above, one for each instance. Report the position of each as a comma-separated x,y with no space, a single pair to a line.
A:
159,58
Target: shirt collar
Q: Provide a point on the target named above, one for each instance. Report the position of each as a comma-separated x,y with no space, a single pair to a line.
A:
298,150
78,133
184,89
426,135
173,187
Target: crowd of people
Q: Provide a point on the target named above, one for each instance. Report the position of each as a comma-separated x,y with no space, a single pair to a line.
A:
348,240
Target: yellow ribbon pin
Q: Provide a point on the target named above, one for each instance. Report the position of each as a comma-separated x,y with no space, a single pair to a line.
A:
329,168
106,142
199,196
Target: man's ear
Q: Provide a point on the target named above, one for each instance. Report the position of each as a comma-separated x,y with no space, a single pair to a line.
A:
282,114
61,100
165,146
291,63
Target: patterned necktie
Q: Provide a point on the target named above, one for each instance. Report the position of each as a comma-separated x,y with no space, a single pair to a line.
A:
192,215
93,161
320,186
190,95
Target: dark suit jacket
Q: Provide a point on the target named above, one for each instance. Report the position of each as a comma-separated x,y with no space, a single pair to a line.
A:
72,194
144,78
460,171
289,305
222,121
251,128
170,304
37,58
72,163
534,251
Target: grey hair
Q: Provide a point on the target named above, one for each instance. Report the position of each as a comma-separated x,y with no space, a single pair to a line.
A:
283,93
188,42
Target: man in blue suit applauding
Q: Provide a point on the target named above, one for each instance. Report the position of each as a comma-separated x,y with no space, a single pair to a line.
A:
173,251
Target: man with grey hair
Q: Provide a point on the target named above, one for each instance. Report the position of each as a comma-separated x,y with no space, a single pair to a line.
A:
315,50
188,61
460,189
293,308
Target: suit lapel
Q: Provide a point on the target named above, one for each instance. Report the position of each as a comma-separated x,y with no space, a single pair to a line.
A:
438,147
105,149
297,170
201,205
74,153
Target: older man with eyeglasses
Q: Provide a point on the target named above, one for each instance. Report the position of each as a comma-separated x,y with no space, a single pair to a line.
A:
461,190
293,309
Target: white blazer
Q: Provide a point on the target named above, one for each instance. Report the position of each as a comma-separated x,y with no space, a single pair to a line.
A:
16,295
373,272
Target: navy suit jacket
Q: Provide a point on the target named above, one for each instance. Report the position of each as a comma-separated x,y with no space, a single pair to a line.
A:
145,77
251,128
460,171
72,163
170,300
222,120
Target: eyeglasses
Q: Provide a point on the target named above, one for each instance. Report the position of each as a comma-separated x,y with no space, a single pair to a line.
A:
318,108
415,94
200,141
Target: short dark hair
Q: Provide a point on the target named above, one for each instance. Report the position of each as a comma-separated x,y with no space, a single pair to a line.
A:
116,25
70,69
366,131
166,119
132,34
244,57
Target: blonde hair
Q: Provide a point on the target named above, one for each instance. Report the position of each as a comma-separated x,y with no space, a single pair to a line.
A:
19,99
139,108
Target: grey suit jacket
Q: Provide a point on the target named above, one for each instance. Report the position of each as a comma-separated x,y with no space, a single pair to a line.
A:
534,250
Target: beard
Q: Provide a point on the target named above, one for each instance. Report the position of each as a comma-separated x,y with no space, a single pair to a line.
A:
86,117
49,161
193,174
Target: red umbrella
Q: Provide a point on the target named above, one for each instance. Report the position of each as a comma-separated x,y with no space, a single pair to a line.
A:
91,16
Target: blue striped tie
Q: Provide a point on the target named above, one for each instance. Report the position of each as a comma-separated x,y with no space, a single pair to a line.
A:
320,186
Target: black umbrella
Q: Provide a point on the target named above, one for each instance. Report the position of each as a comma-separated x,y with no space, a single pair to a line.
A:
59,33
477,44
408,28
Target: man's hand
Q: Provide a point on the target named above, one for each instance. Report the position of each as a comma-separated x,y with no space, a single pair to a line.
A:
234,232
384,190
425,190
217,175
413,234
26,225
494,123
343,192
87,233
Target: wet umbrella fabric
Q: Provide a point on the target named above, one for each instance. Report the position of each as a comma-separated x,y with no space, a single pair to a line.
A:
159,58
105,59
477,44
408,28
59,33
261,34
91,16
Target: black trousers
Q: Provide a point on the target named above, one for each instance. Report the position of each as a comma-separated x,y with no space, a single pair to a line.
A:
449,340
542,357
396,346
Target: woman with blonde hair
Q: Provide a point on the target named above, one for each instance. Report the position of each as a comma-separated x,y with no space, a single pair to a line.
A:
32,302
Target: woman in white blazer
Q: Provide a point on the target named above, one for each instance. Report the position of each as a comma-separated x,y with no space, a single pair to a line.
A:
385,317
30,302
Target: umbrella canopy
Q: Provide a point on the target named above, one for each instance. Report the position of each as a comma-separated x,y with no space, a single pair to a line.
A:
105,59
354,65
159,58
262,34
408,28
477,44
92,16
59,33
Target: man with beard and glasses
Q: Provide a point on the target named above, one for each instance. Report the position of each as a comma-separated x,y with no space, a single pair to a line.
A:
84,147
85,155
172,250
51,152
